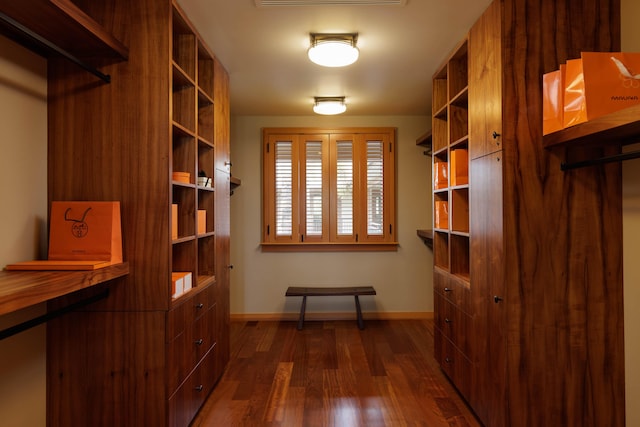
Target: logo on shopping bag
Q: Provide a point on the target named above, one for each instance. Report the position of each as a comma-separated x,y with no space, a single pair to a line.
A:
80,228
628,78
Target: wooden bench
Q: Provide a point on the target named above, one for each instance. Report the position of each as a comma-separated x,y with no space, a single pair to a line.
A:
356,291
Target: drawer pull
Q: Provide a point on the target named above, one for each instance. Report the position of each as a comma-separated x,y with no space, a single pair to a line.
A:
198,306
497,299
199,342
198,387
447,289
447,320
448,360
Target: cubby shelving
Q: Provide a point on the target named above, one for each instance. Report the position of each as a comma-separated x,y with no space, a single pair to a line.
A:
158,127
450,131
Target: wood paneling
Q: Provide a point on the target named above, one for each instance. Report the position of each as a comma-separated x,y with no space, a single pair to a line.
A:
91,383
93,129
563,233
547,242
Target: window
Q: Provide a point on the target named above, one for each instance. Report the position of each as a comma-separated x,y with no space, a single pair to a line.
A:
329,189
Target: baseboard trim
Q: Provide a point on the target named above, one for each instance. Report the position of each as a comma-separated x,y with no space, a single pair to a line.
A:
403,315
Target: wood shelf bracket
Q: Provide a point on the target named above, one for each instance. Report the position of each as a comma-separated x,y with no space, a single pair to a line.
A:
53,47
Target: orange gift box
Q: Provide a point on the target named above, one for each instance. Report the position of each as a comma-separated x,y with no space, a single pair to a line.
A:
600,83
459,167
440,175
202,221
441,217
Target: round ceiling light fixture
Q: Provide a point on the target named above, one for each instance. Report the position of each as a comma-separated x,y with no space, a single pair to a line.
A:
329,105
334,50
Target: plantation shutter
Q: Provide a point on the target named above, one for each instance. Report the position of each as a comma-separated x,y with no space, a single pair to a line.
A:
375,188
284,188
314,179
328,190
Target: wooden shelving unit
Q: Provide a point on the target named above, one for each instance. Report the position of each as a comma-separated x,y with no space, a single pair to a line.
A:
450,127
506,280
165,112
450,131
192,151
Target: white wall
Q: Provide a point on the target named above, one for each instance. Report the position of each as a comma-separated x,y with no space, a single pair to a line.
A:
23,191
402,279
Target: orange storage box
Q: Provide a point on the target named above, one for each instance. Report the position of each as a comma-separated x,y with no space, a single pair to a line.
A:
459,167
181,177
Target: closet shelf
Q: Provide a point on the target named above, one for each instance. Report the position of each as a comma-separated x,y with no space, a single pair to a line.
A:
426,236
620,127
21,289
60,28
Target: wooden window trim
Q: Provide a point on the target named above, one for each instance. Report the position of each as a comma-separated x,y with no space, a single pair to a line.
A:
329,241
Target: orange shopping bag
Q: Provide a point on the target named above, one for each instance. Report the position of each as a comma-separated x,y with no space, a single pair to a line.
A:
553,100
600,83
85,231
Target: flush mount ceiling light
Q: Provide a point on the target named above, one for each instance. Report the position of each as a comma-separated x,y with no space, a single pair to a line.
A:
334,50
329,105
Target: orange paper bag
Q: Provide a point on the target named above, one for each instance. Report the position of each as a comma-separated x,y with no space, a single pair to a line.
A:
600,83
440,179
553,101
85,231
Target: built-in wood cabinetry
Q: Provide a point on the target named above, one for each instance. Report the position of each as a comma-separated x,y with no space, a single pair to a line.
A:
532,335
143,356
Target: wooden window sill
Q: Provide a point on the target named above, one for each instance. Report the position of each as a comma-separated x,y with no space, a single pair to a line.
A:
330,247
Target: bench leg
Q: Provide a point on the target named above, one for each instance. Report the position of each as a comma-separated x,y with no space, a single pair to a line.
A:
302,309
359,313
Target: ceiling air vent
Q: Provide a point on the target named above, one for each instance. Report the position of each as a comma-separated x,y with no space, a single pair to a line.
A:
267,3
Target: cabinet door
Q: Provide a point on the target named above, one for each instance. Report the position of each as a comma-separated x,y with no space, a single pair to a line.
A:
488,396
485,84
221,116
223,266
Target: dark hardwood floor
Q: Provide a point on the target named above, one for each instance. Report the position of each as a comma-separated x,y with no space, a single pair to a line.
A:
333,374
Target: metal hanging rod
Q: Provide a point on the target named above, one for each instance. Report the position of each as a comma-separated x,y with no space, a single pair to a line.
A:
55,48
608,159
20,327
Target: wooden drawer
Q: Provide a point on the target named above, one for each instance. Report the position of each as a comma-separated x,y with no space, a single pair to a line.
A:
188,348
188,311
453,289
453,363
187,400
453,323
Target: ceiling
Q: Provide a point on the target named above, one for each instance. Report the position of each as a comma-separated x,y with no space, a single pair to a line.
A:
264,49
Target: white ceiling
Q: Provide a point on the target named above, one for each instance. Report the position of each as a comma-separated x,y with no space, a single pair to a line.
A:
264,50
